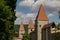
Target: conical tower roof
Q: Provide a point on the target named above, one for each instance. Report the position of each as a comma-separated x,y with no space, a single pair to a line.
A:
41,14
21,27
30,25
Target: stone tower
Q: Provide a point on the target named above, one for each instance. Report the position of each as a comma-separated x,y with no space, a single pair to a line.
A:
41,20
30,26
21,31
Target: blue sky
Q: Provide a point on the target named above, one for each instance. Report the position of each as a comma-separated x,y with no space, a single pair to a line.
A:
27,9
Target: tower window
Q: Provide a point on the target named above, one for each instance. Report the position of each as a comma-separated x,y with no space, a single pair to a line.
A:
31,29
39,25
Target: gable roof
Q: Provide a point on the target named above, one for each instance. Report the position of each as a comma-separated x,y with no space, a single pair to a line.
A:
49,25
41,14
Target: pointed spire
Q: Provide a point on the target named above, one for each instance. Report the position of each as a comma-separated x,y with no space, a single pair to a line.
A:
41,14
31,25
21,27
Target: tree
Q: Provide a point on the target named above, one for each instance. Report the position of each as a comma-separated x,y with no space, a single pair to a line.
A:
11,3
26,36
58,25
7,18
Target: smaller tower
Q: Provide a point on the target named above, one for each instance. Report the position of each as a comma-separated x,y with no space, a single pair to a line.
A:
21,31
30,26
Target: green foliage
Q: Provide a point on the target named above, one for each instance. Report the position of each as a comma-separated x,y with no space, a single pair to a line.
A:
11,3
58,25
7,17
26,36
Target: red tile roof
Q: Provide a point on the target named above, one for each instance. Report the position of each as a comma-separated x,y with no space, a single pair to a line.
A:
41,14
30,25
21,27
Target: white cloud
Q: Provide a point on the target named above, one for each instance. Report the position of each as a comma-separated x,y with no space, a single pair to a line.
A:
50,15
18,21
50,4
26,3
22,17
31,14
